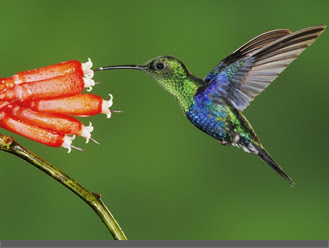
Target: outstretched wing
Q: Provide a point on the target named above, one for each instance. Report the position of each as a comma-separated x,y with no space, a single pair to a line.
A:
252,45
249,70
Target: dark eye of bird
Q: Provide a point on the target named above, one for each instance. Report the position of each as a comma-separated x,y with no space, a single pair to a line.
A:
159,66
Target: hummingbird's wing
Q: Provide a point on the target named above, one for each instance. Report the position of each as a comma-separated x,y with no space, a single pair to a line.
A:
252,45
248,71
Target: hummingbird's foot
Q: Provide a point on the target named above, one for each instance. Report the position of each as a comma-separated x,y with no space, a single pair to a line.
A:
224,143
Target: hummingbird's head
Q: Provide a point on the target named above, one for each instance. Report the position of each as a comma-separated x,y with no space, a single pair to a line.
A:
168,72
166,69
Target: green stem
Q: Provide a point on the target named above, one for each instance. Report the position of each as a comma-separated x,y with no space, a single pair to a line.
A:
8,144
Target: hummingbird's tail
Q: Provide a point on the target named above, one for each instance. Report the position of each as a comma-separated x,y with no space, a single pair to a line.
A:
270,161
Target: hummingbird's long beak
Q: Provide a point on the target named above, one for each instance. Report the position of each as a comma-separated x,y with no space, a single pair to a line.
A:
135,67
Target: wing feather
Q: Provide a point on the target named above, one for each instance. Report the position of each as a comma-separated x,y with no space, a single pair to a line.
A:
254,66
251,46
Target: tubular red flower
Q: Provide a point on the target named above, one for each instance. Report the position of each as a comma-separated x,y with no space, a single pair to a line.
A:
6,83
3,104
65,68
36,103
78,105
60,69
33,132
56,122
67,85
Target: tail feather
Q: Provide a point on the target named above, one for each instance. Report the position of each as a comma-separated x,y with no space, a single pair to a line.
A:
270,161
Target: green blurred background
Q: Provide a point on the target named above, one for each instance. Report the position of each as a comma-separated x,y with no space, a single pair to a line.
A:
160,176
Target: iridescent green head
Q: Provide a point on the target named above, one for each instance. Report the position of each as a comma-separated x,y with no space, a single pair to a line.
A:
168,72
171,74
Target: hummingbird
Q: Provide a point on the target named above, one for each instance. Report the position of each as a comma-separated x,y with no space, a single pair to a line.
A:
216,103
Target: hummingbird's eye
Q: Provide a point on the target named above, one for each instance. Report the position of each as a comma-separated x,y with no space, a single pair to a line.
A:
159,66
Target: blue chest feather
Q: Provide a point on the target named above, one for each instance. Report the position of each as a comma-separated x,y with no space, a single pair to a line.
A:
207,116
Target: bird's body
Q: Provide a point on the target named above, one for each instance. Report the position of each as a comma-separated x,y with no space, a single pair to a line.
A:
220,120
215,104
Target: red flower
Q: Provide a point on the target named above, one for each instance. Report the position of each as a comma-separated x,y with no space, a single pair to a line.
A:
37,103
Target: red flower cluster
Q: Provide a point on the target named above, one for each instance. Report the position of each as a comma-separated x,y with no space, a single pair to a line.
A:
37,104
